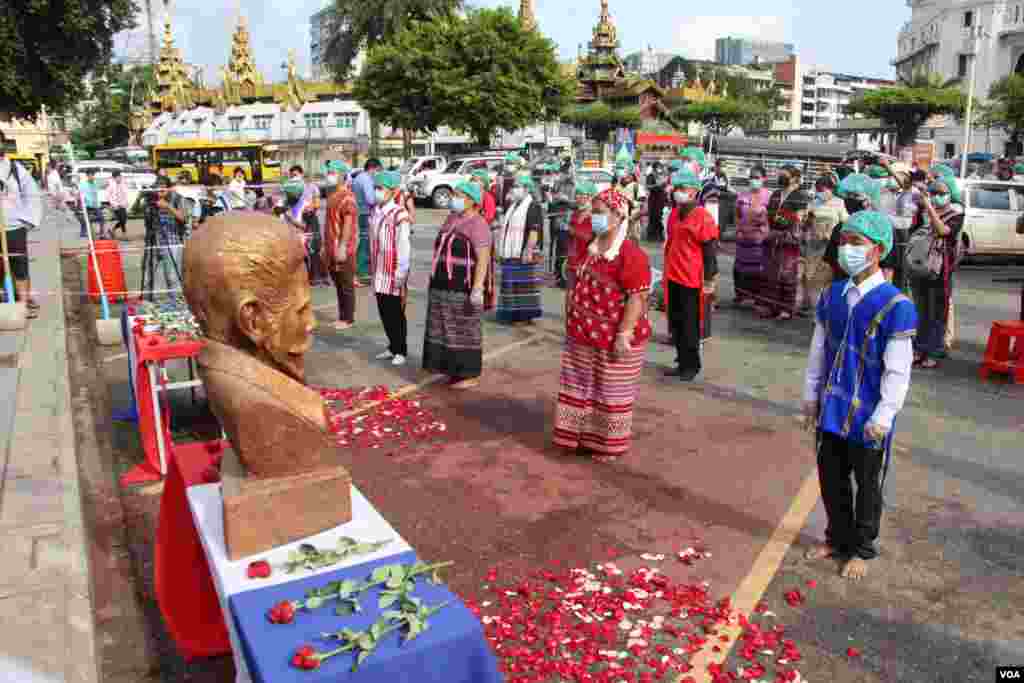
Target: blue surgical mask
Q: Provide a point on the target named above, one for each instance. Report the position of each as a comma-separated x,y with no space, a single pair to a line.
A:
458,204
822,197
382,196
599,222
756,183
939,201
853,258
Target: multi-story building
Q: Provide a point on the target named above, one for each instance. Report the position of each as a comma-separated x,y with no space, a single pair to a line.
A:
944,37
319,34
825,96
741,51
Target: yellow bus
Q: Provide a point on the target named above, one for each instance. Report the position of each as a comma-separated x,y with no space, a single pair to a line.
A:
202,159
29,162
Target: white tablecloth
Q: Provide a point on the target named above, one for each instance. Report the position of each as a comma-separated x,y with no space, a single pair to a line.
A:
229,577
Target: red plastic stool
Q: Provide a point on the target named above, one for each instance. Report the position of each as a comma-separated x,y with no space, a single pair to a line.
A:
1005,351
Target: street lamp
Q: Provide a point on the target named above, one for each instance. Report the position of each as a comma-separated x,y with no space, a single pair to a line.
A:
978,34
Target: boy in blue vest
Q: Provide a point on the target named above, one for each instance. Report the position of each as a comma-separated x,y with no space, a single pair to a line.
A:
857,378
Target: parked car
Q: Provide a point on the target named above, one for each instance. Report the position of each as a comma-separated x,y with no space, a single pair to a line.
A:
416,169
992,209
438,186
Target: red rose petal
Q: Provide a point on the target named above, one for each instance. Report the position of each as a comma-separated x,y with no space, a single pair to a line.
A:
852,652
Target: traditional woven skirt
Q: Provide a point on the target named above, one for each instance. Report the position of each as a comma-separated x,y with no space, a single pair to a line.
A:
748,269
597,390
519,291
453,342
782,274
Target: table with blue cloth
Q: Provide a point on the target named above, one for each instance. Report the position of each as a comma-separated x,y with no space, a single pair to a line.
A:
452,650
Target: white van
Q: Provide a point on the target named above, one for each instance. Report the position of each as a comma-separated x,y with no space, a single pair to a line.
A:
991,211
418,168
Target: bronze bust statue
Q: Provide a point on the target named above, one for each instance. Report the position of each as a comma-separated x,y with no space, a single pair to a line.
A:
245,280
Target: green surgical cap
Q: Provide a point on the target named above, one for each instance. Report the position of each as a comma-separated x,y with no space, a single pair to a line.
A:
695,153
586,188
387,179
294,188
512,157
874,225
482,175
338,166
685,179
942,170
675,165
525,181
471,190
858,183
876,171
1018,169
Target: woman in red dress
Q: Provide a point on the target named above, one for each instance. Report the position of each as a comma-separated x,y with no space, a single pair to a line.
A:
606,334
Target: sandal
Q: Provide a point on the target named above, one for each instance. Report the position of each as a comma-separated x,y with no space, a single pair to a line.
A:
929,364
784,316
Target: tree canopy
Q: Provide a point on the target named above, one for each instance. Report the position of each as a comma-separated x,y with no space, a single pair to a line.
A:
906,107
48,48
357,25
478,74
721,116
1006,108
106,120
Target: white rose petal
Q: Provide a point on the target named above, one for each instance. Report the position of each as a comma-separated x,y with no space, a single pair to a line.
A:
678,651
623,654
769,614
664,659
636,641
625,625
636,633
485,604
768,652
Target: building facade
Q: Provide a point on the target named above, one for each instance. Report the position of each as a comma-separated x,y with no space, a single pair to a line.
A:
944,37
319,34
825,96
742,51
647,62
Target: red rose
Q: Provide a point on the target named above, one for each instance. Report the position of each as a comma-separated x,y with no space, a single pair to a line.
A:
305,658
260,569
281,613
852,652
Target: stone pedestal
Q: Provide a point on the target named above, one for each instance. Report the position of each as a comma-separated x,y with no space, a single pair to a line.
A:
260,514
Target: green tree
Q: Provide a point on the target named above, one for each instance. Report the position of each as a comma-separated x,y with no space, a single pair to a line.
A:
400,79
356,25
48,48
106,120
501,76
721,116
906,107
600,120
1007,107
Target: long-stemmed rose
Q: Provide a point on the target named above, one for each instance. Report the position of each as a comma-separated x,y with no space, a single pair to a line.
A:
399,580
413,619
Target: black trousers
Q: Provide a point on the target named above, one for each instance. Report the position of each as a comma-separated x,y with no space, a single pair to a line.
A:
853,523
344,282
392,314
121,216
684,322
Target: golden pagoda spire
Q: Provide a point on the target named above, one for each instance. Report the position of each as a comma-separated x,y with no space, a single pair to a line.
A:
241,65
526,15
174,83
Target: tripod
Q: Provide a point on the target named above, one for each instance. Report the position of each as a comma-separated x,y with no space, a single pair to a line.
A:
157,254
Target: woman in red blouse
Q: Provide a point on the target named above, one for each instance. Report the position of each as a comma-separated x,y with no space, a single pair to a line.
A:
606,334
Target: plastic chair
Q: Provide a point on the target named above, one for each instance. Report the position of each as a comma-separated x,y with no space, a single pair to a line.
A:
1005,351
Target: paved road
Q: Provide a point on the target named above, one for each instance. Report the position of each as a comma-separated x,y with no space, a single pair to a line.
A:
718,461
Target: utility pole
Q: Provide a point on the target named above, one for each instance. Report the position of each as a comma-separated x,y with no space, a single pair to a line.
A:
978,34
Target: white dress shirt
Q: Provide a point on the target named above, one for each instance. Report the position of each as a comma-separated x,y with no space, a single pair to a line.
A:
896,361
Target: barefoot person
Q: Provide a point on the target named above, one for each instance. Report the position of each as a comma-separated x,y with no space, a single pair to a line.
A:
857,378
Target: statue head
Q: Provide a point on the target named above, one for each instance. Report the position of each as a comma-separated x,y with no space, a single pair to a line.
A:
245,280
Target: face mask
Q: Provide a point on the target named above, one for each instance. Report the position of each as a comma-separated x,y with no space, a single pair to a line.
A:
683,197
853,259
332,178
822,197
756,183
599,222
855,205
458,204
940,200
583,204
518,193
382,196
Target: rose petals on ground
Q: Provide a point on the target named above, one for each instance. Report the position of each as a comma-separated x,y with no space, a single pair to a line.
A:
388,423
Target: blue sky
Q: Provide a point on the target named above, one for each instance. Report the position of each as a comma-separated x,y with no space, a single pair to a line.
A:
858,38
